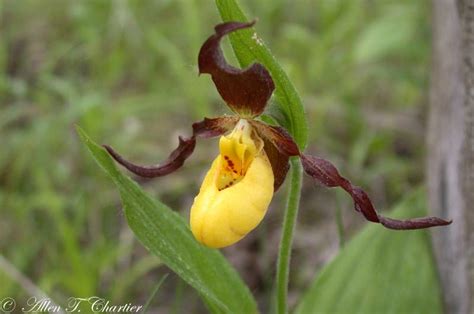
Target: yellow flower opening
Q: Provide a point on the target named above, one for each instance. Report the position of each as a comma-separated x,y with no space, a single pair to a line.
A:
236,191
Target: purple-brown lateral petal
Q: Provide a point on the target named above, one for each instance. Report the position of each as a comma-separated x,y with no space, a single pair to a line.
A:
278,136
416,223
279,146
246,91
279,162
327,174
212,127
175,160
206,128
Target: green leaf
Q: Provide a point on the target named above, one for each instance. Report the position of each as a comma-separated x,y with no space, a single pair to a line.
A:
380,271
165,234
288,109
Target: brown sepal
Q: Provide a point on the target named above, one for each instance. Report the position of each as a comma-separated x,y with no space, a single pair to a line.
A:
279,146
327,174
206,128
246,91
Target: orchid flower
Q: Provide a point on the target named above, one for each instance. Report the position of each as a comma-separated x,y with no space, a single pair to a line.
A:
253,159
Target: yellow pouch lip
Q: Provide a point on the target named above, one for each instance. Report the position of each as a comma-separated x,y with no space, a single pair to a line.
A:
239,208
221,216
238,149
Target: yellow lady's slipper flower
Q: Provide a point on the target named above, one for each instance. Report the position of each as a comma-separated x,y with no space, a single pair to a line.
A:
236,191
253,158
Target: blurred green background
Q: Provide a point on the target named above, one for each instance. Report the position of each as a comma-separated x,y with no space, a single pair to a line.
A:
126,72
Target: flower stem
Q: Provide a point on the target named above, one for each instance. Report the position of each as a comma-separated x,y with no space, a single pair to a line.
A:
289,223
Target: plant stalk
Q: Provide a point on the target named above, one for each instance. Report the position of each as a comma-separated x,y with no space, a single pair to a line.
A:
286,241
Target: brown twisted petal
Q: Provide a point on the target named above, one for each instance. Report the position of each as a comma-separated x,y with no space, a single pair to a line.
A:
279,137
327,174
278,161
246,91
206,128
279,146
